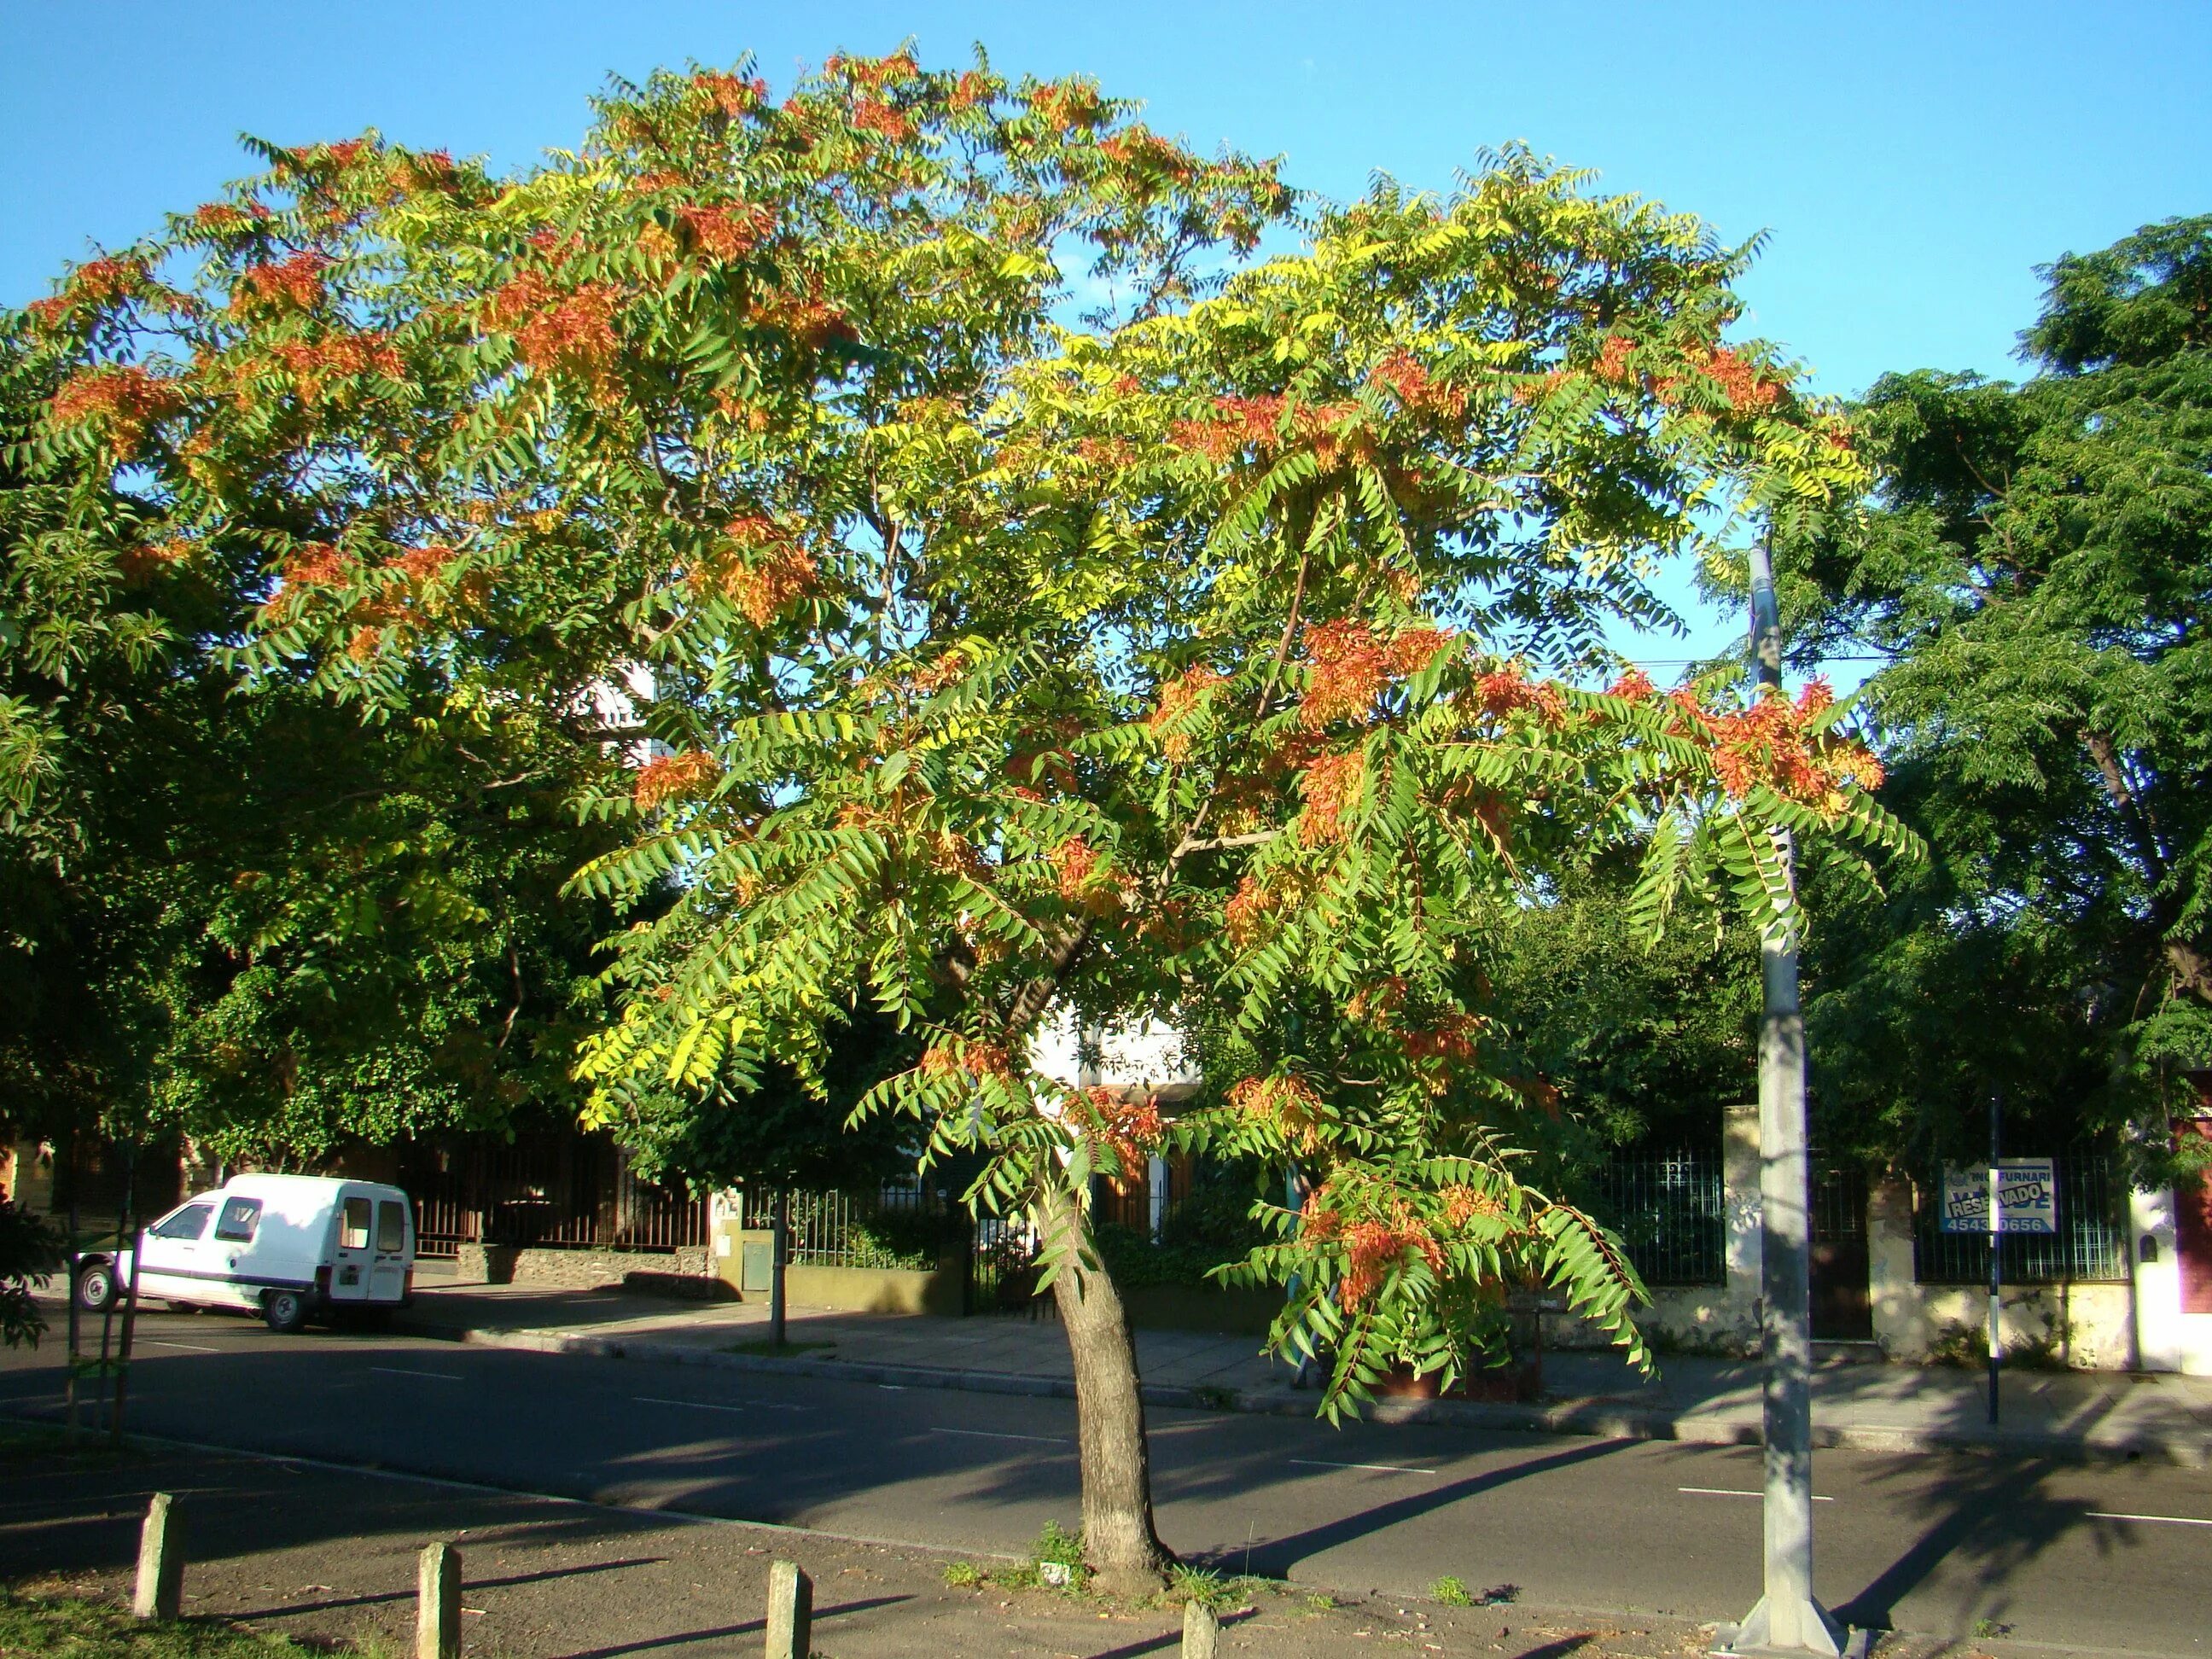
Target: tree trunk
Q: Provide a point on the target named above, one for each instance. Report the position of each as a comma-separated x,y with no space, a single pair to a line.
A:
1125,1555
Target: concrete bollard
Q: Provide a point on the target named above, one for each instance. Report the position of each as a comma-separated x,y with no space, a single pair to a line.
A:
438,1602
160,1561
790,1612
1201,1631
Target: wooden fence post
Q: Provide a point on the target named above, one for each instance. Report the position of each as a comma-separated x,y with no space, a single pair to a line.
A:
1201,1631
790,1612
161,1560
438,1602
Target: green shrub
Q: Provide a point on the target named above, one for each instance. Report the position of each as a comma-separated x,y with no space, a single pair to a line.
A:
1451,1592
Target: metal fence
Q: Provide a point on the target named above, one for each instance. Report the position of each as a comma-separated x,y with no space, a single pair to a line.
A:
2090,1246
1670,1209
545,1192
900,1224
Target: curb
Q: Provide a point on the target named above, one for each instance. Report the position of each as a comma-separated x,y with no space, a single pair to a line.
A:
1596,1419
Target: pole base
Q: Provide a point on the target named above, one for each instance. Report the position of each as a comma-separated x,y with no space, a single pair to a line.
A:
1817,1633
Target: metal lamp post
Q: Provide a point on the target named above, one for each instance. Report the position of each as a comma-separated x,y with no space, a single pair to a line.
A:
1786,1619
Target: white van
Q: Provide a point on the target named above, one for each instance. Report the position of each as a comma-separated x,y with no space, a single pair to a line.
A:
283,1246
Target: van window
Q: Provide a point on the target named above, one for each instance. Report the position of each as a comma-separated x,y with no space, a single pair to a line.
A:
353,1229
390,1226
188,1223
238,1218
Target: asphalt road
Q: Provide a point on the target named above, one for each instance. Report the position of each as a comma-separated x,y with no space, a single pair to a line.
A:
2086,1557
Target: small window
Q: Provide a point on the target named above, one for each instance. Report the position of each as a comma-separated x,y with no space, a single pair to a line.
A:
188,1223
238,1218
390,1226
353,1231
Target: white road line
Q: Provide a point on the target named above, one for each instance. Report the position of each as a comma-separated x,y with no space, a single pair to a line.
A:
189,1347
435,1377
695,1405
985,1434
1726,1492
740,1408
1379,1468
2162,1520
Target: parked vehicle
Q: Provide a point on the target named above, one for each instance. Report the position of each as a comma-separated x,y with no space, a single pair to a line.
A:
285,1247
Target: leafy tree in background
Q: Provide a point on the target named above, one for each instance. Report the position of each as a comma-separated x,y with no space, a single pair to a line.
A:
1647,1040
253,919
2035,570
1182,663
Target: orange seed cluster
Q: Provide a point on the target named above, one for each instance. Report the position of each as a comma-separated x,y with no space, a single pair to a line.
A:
679,777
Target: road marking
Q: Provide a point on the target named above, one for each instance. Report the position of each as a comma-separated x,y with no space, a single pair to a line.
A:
740,1408
1727,1491
189,1347
1379,1468
2163,1519
985,1434
892,1388
435,1377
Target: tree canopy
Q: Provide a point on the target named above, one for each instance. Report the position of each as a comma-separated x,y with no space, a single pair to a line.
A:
2034,570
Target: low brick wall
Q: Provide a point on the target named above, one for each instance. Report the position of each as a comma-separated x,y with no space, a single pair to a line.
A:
575,1270
874,1290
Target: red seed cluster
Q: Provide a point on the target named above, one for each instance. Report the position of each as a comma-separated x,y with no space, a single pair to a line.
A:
1244,917
573,329
763,569
296,281
728,232
1289,1105
313,364
1329,785
1771,743
1375,1247
1178,698
732,94
1416,390
679,777
123,400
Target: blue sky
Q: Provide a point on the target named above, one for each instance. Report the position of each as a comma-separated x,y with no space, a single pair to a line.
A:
1911,162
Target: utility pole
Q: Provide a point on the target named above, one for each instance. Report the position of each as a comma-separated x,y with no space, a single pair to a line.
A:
1787,1619
1996,1254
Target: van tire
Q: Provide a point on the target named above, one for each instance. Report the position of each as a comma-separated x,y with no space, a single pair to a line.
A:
95,1286
286,1311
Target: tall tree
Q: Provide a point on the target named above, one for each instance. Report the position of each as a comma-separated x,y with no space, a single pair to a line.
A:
2034,569
1178,663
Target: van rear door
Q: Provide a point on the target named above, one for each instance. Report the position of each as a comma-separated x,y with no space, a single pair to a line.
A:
388,1282
353,1261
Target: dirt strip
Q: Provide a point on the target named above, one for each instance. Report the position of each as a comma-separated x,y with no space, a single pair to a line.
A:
327,1556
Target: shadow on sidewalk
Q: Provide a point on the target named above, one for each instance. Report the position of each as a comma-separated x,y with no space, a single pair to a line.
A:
746,1629
283,1609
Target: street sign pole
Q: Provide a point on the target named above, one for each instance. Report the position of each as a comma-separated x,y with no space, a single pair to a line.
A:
1787,1619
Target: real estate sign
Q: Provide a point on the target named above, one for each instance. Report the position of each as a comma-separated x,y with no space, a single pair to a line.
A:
2027,1197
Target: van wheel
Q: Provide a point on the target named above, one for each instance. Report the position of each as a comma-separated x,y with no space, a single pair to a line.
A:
285,1310
95,1286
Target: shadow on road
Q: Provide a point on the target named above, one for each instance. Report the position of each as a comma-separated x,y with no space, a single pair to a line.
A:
1278,1556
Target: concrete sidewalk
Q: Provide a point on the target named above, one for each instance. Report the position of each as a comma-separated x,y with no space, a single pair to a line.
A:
1868,1406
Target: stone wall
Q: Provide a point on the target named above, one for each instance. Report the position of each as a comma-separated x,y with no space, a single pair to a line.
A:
578,1270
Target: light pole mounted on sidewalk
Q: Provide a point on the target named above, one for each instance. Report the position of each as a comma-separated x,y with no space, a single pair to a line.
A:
1786,1619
